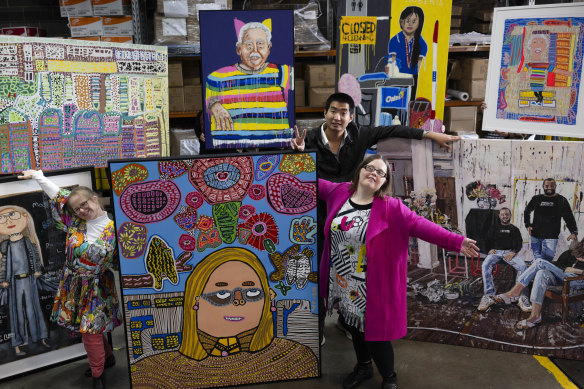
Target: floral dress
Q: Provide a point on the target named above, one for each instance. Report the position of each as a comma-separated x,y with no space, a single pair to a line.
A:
86,300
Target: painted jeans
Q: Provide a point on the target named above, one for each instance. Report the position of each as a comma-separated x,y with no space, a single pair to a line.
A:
544,274
544,248
489,263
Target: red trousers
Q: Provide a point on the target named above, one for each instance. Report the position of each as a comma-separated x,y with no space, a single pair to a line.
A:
98,349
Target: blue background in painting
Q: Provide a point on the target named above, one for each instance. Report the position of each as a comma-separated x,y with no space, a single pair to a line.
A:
218,39
577,64
169,231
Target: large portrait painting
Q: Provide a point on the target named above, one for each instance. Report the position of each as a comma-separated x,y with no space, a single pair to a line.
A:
392,60
249,82
522,203
70,103
534,82
32,255
218,268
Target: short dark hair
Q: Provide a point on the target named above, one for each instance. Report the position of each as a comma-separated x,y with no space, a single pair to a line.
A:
549,179
504,208
340,97
385,189
578,249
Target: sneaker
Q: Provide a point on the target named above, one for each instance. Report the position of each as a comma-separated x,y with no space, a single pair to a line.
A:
486,301
524,304
360,373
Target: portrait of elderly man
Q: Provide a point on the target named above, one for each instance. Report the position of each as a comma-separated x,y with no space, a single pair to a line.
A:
247,102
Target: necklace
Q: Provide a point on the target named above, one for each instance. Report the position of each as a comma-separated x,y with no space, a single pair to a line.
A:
408,58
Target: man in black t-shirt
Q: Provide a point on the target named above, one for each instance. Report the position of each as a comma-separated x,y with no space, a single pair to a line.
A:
506,244
548,210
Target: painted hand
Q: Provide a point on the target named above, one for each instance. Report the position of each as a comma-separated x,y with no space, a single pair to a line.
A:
469,248
492,251
529,230
573,237
509,256
297,143
442,139
222,118
303,230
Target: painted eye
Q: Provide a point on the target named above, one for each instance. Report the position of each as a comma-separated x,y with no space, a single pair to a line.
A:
253,294
223,295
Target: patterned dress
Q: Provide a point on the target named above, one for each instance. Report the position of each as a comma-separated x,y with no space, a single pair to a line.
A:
348,275
86,300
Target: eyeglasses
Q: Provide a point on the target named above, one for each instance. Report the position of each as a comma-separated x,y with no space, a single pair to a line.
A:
225,297
83,205
14,215
371,169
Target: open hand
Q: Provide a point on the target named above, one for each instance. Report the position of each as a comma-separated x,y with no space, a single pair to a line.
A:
469,248
223,121
26,174
297,143
442,139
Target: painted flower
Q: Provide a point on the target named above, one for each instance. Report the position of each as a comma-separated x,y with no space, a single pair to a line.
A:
246,211
258,228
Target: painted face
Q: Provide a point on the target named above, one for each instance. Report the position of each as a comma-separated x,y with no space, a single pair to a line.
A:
86,208
410,24
232,301
12,221
372,181
538,46
549,188
505,216
338,117
254,49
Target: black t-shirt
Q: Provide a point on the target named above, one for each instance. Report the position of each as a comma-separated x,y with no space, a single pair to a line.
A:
505,237
547,216
567,259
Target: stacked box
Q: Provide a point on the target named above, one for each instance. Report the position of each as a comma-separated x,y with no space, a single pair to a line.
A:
191,73
86,26
320,83
118,39
117,25
460,120
176,100
177,22
111,7
75,8
299,92
23,31
175,77
193,96
470,75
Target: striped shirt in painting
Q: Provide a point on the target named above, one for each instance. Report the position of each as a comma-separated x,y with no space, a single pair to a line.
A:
255,100
538,71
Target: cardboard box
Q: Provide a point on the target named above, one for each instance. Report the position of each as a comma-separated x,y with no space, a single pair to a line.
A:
176,100
299,92
460,119
175,77
23,31
184,141
169,30
484,15
320,75
470,69
191,72
86,26
474,88
117,25
111,7
72,8
317,96
455,22
118,39
193,98
483,28
87,38
456,10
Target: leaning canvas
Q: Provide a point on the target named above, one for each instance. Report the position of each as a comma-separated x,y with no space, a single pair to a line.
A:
218,268
70,103
28,339
534,82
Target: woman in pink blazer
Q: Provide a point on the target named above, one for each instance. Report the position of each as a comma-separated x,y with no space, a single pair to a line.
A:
363,269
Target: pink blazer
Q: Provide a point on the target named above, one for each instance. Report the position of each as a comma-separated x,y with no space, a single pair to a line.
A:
390,226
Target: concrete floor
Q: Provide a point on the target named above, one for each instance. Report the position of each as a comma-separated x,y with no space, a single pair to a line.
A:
418,365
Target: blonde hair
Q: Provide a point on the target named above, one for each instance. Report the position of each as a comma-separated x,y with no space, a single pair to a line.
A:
191,345
29,231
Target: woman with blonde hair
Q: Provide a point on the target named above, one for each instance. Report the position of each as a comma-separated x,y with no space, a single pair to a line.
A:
228,331
20,266
86,300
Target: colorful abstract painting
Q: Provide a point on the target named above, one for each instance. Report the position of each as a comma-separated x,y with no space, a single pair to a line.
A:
249,83
392,60
218,268
499,185
70,103
535,70
29,282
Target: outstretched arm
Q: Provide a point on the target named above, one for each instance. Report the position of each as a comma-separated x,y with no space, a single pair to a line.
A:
443,140
48,186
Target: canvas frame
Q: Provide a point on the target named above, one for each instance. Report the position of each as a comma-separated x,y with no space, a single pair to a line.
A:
11,185
490,120
134,297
